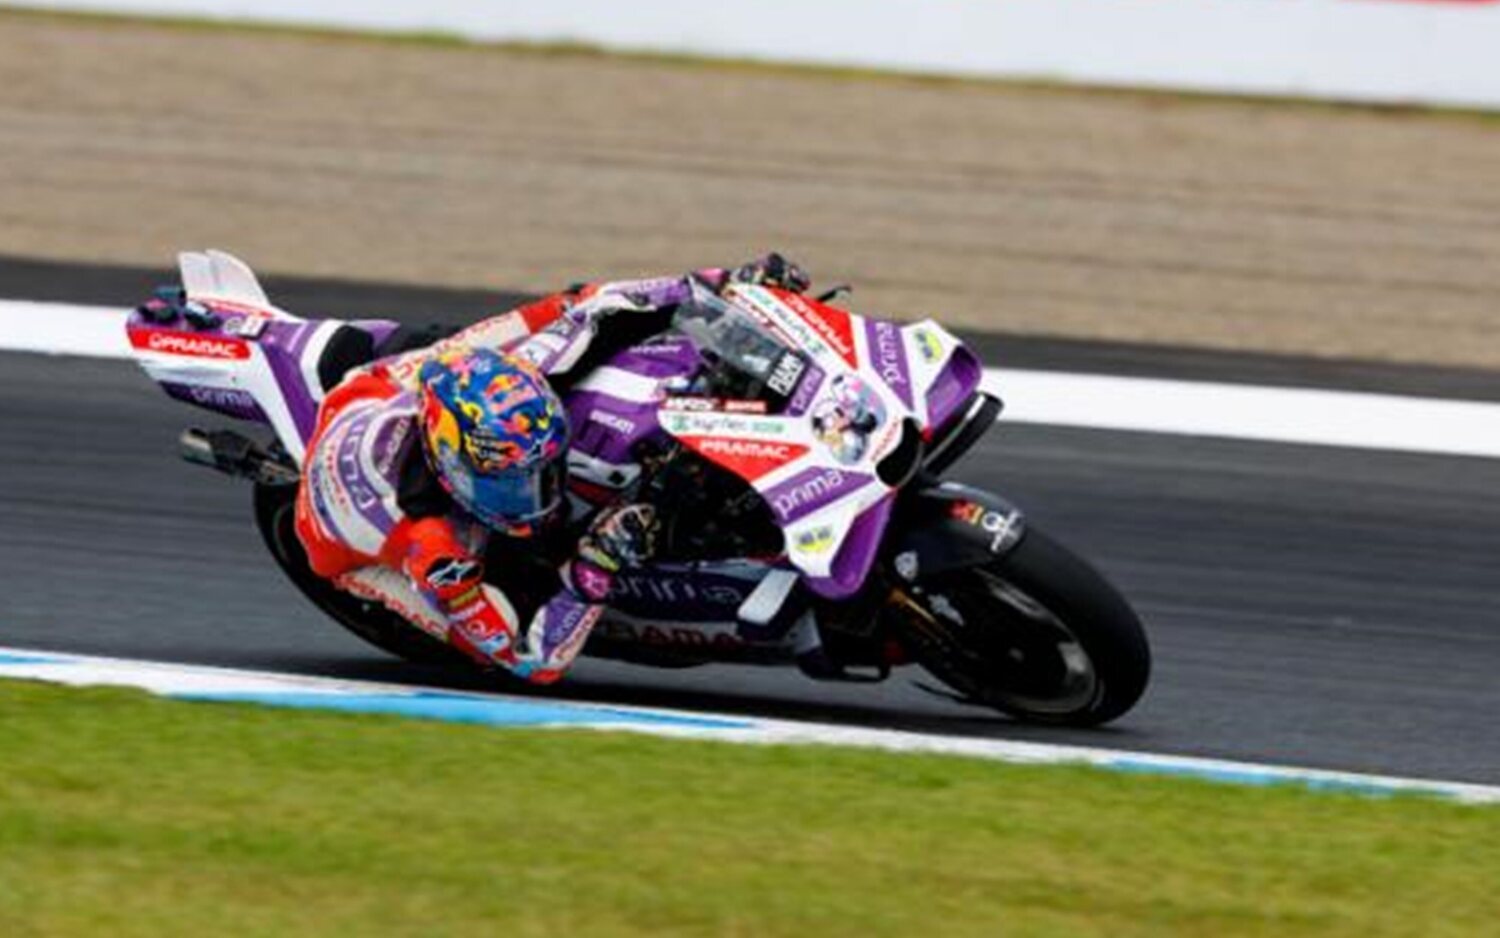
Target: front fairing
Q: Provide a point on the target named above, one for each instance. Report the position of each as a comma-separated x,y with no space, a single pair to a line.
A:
820,463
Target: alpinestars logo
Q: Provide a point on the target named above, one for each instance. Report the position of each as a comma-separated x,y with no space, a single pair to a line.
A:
452,571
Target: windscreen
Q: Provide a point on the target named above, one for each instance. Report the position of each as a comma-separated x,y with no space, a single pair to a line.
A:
733,338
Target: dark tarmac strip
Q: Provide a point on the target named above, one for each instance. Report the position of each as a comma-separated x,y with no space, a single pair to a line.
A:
1314,606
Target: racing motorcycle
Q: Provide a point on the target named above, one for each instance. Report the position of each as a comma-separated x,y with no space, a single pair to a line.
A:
796,452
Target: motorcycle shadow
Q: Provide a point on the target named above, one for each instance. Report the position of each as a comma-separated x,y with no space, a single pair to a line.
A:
899,704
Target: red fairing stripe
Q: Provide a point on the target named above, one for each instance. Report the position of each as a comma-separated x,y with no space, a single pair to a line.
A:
829,322
173,342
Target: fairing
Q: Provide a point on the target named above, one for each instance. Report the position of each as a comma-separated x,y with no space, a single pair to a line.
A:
229,350
817,462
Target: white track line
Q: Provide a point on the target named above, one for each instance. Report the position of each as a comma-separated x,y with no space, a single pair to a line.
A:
1250,412
1192,408
62,329
192,682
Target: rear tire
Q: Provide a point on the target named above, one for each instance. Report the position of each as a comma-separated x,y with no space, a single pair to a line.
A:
370,621
1038,634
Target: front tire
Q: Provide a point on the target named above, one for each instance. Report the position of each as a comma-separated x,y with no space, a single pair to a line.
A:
1038,634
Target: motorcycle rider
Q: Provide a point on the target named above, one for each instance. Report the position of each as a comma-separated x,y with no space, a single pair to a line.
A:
421,458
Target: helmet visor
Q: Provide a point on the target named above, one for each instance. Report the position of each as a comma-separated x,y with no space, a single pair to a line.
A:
519,496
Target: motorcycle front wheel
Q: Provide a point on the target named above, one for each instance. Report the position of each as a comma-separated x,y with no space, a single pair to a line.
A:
1038,634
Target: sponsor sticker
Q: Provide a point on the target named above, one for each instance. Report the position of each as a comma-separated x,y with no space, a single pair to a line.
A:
748,458
785,374
246,327
1000,524
814,541
755,449
846,418
240,402
452,571
719,423
833,326
613,422
807,391
657,635
671,590
173,342
890,359
811,489
929,346
703,405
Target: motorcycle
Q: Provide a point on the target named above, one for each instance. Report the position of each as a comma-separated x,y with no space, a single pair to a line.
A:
796,453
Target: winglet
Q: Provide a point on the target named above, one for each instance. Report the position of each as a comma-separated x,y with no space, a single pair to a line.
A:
215,275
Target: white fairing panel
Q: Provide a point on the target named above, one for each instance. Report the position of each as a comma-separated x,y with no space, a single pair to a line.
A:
216,275
226,364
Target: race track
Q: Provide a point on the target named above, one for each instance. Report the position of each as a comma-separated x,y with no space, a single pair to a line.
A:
1308,605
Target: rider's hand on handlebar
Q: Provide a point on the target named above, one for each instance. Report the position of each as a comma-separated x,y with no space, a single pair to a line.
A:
621,536
773,270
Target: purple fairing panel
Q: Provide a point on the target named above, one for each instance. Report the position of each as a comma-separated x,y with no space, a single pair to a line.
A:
682,592
607,427
812,489
888,357
231,403
857,554
652,291
283,344
806,391
672,357
953,387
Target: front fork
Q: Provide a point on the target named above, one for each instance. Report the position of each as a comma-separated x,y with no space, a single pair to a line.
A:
940,529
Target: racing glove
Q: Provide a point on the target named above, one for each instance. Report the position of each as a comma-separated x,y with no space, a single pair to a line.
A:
620,537
773,270
482,623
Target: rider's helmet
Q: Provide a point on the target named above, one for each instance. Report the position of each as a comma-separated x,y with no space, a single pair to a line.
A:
496,434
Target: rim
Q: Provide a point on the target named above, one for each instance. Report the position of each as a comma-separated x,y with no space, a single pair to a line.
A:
1029,659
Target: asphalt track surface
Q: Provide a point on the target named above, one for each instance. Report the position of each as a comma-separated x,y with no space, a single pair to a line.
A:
1309,605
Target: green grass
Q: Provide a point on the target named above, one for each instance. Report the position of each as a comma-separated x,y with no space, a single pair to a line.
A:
569,49
123,815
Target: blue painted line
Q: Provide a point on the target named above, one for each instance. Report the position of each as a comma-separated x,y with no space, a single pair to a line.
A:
454,708
28,659
1250,776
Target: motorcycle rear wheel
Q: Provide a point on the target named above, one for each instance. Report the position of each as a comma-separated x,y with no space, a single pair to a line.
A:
369,621
1038,634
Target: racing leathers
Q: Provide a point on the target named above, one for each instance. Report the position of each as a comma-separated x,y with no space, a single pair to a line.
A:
375,522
